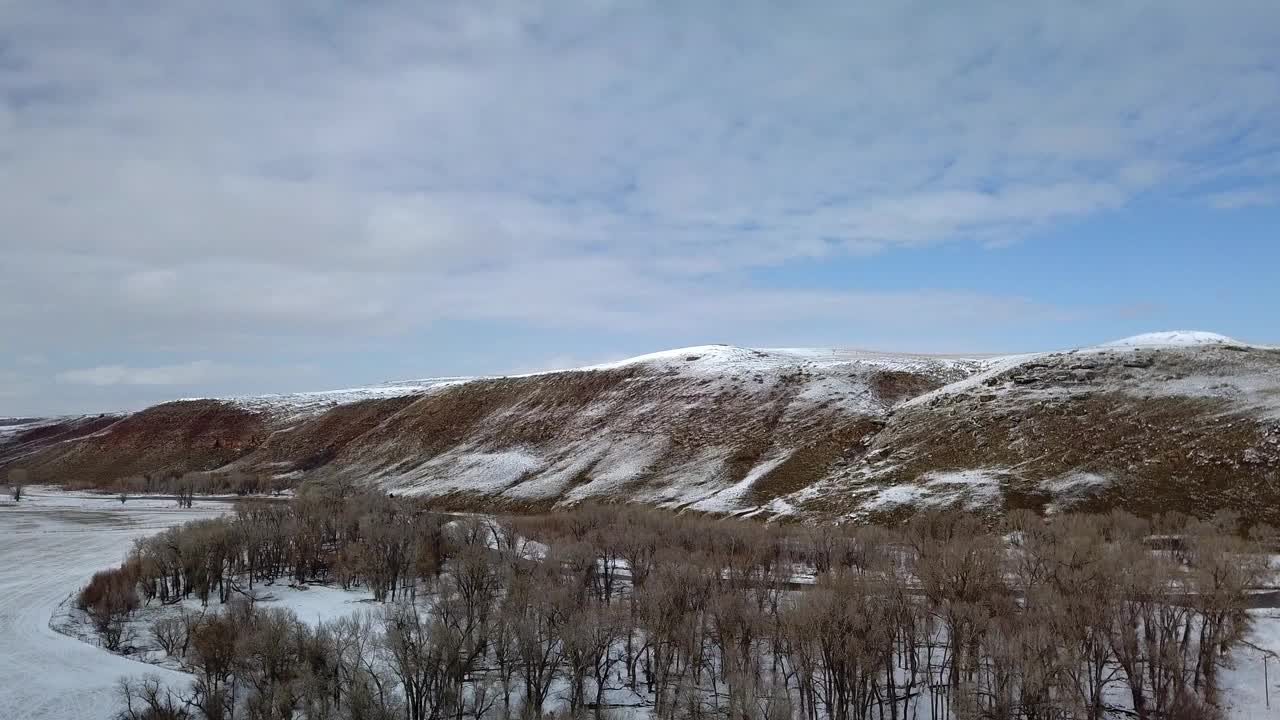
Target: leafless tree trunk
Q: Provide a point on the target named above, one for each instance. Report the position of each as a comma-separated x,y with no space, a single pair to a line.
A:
17,481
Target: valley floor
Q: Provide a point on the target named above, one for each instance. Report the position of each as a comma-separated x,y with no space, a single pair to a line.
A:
53,541
50,544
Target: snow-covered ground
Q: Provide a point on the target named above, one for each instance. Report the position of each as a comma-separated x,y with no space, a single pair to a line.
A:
50,543
1174,338
721,358
13,426
304,404
312,604
1245,692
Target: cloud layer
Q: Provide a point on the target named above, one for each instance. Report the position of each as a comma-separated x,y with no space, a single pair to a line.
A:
192,373
190,176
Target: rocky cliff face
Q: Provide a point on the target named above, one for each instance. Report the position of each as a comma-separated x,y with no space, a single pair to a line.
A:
1185,422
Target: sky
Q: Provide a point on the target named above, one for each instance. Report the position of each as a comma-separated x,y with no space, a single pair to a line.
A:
206,199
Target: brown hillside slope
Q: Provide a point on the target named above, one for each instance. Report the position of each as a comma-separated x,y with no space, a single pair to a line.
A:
716,429
170,438
20,437
611,435
1144,429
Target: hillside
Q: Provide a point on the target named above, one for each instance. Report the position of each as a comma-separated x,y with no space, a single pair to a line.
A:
1150,424
1185,421
21,437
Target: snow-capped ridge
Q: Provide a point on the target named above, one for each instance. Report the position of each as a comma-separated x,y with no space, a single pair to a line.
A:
984,380
729,361
315,402
1173,338
732,358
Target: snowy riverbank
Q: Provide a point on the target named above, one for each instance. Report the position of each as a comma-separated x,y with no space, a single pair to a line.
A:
50,544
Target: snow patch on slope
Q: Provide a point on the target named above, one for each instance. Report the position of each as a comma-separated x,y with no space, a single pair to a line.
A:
730,498
468,471
599,468
11,427
976,489
1075,483
1070,488
623,463
990,368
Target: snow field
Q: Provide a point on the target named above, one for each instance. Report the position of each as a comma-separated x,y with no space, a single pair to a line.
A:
50,544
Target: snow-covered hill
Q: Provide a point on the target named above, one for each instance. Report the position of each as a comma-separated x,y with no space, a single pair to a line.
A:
705,427
295,406
1168,421
1174,338
719,363
1179,420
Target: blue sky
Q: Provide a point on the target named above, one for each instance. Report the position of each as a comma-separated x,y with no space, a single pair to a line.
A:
215,198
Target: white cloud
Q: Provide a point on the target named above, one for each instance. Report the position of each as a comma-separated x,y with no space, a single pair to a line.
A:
189,176
1245,198
11,384
192,373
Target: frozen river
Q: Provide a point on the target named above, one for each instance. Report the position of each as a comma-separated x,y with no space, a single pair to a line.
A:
50,544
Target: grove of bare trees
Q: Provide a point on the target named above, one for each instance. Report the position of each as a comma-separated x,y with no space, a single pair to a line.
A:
589,611
186,484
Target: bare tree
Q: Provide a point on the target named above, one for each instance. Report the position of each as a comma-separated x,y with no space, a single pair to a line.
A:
170,635
149,699
589,638
420,653
212,659
17,481
540,609
364,680
186,488
1070,616
109,599
1222,573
